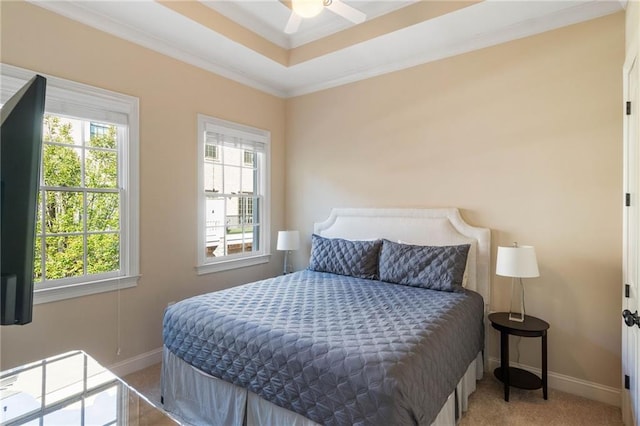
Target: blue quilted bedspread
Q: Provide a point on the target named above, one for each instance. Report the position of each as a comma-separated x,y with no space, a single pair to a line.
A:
335,349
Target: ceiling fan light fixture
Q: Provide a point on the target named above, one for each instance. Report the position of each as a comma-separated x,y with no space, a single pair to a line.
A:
307,8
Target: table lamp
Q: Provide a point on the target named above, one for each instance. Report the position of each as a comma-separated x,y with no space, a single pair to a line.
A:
288,241
517,262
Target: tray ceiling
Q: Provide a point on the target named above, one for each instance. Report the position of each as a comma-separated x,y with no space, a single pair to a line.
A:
245,40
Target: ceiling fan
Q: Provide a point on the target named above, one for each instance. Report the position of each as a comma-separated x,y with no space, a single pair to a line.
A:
309,8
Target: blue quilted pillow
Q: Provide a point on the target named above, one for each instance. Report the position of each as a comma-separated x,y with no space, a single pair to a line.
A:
344,257
432,267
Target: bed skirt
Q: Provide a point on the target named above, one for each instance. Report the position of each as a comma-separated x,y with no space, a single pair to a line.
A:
189,395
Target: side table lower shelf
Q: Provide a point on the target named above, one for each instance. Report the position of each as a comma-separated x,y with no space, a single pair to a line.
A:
520,378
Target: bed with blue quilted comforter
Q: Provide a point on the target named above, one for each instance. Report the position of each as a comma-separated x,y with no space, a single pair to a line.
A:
335,349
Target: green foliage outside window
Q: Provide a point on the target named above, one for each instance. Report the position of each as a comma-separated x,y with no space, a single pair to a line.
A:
69,202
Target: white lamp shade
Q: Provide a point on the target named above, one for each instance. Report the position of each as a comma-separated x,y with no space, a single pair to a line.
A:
288,240
519,262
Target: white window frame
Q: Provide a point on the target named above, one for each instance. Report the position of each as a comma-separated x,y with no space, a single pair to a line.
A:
65,97
206,265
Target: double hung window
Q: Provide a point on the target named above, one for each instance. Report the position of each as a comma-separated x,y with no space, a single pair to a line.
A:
233,188
87,221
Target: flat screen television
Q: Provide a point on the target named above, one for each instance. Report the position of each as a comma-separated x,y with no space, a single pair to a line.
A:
20,156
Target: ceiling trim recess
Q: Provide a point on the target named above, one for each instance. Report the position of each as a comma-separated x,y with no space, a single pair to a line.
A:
79,11
413,14
218,23
235,12
239,13
503,22
480,25
334,26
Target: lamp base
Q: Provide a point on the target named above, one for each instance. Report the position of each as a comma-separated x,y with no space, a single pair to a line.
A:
514,316
285,269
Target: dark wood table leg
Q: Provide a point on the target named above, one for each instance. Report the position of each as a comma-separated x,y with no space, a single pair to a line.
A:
504,362
544,365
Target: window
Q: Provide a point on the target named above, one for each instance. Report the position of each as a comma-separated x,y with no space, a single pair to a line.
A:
79,201
233,195
87,224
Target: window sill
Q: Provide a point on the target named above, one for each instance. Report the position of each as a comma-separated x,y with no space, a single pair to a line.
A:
47,295
226,265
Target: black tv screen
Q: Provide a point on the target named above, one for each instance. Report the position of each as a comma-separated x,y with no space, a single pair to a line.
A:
20,155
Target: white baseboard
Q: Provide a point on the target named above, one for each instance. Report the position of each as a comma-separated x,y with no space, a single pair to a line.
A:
136,363
583,388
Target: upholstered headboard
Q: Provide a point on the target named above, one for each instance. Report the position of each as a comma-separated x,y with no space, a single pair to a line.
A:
417,226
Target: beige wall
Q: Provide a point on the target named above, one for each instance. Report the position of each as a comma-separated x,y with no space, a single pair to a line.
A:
631,24
171,93
524,137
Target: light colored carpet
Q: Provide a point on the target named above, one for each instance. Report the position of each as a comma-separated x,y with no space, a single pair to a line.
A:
486,405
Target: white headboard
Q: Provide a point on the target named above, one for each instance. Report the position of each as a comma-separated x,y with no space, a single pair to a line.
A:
417,226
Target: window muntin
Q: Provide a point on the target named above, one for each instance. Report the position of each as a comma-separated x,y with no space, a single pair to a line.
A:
233,194
85,195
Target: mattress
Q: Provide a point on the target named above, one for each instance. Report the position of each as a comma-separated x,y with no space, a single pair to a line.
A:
334,349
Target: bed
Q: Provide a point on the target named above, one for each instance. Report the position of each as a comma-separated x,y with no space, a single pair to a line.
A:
360,337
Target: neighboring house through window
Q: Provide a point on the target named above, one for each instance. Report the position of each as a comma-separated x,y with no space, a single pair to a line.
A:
248,158
245,209
210,152
233,202
97,130
87,222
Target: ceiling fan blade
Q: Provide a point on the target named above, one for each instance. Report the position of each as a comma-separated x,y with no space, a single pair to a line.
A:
340,8
293,23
